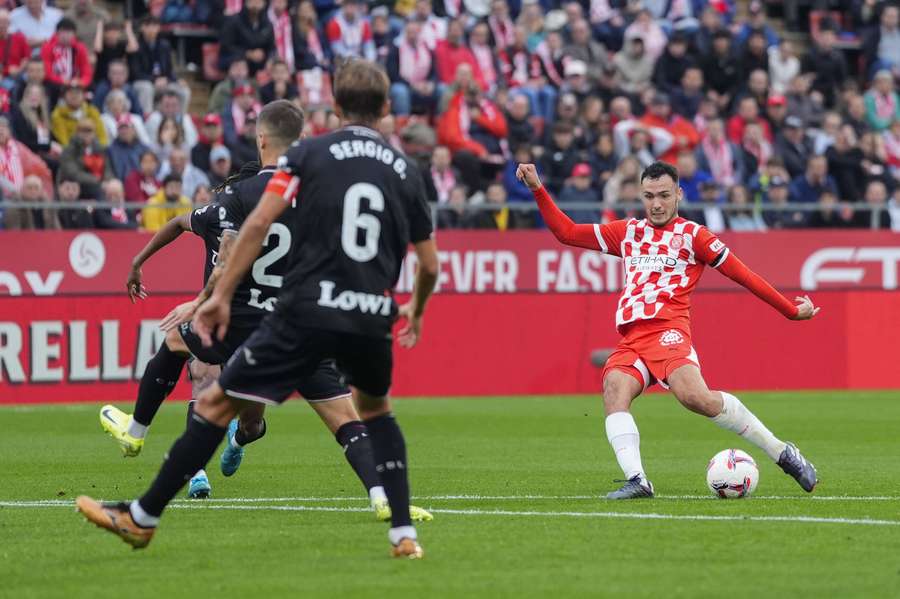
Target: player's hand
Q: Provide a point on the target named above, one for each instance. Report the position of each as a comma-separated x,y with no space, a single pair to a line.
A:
527,174
212,318
181,313
805,308
409,334
135,287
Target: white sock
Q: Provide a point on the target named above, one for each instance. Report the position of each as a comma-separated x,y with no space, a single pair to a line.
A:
736,418
402,532
233,442
623,435
136,429
377,494
140,517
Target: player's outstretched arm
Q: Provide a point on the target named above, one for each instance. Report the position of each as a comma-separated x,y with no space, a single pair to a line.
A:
426,278
560,225
169,233
733,268
213,316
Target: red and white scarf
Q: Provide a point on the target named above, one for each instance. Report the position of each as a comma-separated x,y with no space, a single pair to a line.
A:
11,165
761,151
443,183
546,58
62,62
484,56
503,31
519,64
352,34
284,39
885,105
415,62
720,159
240,117
315,44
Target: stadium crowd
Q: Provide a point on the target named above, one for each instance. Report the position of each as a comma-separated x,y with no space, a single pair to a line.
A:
94,109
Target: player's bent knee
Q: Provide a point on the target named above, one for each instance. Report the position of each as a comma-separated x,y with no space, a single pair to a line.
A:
370,406
619,389
215,406
175,343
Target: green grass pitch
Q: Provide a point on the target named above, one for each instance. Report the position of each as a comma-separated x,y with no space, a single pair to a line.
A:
515,486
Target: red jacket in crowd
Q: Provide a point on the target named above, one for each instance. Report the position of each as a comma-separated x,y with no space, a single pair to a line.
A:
67,63
447,57
685,134
453,125
14,50
736,125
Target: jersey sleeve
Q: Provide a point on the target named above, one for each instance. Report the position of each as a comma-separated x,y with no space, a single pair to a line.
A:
610,235
200,220
234,213
286,181
708,248
420,225
606,238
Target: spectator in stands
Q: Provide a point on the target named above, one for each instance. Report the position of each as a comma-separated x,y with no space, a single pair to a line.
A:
855,114
757,149
114,41
628,169
234,117
455,217
244,150
825,136
519,126
602,159
828,64
648,30
169,136
757,24
584,48
189,175
171,106
776,112
486,57
248,35
807,188
783,66
757,87
881,45
882,102
845,165
66,59
117,216
670,67
31,125
84,160
74,108
659,114
219,160
142,183
747,112
708,211
73,218
202,196
576,84
831,214
411,69
497,215
125,151
14,50
561,157
579,190
876,198
309,49
754,56
442,173
155,215
801,103
721,69
16,163
452,52
711,22
238,74
793,147
350,33
36,20
281,87
382,37
434,28
891,139
687,97
745,219
115,106
87,18
33,190
283,33
210,135
690,176
34,75
116,78
501,25
151,66
719,156
634,67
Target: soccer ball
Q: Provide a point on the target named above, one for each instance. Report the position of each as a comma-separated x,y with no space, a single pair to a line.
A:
732,474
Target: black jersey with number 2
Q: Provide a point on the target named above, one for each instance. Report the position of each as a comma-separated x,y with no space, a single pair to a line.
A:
257,293
359,204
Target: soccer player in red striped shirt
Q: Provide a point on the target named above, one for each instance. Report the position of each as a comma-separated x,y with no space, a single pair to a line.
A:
664,255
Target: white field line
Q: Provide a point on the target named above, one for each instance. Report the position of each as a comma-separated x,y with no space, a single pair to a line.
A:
198,505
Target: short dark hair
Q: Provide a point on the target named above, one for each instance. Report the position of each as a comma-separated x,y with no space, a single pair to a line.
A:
66,24
658,170
150,20
361,90
68,179
171,178
283,121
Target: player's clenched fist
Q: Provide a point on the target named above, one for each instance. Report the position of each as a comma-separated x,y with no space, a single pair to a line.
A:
527,174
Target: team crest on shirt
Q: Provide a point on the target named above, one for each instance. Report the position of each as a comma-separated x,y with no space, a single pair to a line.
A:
677,242
670,337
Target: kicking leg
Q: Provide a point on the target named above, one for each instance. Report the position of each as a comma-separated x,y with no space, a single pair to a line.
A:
619,390
728,412
160,377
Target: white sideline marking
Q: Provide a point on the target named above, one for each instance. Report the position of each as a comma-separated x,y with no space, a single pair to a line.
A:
199,505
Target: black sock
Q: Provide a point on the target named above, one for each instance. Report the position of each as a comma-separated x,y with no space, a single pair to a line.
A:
190,411
354,438
159,379
390,463
189,454
243,438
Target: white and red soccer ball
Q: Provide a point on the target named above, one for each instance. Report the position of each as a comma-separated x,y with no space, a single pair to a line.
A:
732,474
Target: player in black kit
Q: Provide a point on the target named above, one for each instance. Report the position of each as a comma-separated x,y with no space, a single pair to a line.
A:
254,297
353,205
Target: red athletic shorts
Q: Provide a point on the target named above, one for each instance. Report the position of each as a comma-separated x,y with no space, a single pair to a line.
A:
651,350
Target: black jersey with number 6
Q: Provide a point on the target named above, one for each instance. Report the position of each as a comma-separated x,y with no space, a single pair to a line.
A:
359,204
257,293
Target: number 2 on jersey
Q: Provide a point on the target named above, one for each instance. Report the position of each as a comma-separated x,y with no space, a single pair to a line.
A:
354,220
260,276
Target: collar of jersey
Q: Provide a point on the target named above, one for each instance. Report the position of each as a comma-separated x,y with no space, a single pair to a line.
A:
668,227
364,130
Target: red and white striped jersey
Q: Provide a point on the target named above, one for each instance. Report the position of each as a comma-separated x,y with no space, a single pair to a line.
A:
662,266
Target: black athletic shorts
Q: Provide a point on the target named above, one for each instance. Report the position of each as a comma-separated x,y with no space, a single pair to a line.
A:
324,383
278,358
